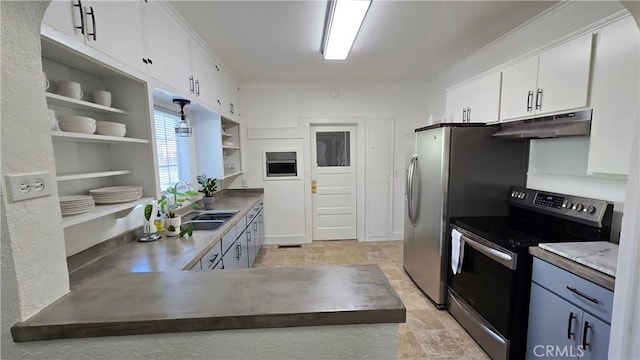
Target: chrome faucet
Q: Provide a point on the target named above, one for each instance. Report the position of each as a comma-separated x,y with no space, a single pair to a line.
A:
175,191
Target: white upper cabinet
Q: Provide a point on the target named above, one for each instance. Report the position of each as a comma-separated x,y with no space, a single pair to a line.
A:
518,89
114,28
563,76
614,97
168,49
228,94
554,81
117,30
205,72
477,101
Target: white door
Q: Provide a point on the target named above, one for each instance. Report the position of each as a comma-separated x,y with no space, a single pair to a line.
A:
333,174
206,75
484,99
456,105
66,17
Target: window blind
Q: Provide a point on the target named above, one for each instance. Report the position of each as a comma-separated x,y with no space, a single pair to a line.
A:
173,151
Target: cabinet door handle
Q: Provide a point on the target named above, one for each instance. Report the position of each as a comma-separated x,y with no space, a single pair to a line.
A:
93,21
464,115
255,226
231,108
191,84
248,236
79,6
198,87
569,332
581,294
539,99
145,61
468,114
585,331
529,101
240,249
214,258
150,62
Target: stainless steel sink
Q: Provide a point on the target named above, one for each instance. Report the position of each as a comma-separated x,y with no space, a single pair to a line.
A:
215,215
205,224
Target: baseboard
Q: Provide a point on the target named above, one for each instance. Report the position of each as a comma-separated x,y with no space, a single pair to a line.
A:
396,236
286,239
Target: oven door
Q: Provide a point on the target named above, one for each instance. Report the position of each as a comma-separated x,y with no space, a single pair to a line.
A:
487,280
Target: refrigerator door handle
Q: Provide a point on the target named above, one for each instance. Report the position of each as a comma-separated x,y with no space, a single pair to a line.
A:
408,190
411,179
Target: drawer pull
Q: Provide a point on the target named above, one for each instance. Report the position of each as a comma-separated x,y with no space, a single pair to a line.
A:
585,344
213,258
579,293
569,332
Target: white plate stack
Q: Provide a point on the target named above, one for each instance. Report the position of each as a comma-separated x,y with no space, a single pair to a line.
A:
76,204
116,194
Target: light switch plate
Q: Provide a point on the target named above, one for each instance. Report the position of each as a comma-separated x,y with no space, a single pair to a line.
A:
28,186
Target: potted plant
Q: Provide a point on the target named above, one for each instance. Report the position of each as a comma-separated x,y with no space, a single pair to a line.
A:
170,203
208,188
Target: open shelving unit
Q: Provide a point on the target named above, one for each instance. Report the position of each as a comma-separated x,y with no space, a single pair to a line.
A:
88,161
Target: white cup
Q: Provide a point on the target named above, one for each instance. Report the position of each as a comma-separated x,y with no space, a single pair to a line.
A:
53,121
102,97
70,89
46,81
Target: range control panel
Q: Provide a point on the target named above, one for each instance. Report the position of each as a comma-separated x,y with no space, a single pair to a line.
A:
584,210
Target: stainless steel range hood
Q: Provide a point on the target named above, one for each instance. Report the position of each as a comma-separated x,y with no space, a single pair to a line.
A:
576,123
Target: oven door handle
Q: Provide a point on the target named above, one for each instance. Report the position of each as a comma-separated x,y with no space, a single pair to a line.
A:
497,255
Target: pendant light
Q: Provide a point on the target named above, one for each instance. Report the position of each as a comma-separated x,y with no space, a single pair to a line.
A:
183,128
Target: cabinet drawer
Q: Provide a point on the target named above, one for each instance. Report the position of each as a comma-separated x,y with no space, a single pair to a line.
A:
211,259
227,240
563,282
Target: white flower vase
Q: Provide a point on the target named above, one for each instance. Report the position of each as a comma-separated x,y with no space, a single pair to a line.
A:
208,202
172,225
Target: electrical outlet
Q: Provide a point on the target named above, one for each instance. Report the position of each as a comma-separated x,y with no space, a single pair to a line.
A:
28,186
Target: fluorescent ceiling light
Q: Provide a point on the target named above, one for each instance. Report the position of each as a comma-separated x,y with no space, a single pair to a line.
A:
345,19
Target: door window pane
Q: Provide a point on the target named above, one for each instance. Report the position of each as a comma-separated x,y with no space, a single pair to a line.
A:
332,148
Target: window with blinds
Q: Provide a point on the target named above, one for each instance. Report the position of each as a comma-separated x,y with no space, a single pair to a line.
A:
173,151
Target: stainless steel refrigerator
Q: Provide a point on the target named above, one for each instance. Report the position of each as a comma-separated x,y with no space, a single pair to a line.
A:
457,170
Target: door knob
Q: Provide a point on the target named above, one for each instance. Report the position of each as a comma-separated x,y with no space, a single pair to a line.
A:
314,187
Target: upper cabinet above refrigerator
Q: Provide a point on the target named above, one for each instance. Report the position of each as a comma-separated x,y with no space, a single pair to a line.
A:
556,80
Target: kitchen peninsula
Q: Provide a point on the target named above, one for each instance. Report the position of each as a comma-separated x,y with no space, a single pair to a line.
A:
333,311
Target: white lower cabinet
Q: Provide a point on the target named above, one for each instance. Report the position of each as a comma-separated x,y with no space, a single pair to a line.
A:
614,98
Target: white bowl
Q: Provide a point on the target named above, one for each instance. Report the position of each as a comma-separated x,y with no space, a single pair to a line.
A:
78,124
110,128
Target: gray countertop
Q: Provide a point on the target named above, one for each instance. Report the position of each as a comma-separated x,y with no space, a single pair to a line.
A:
168,253
595,276
140,288
180,301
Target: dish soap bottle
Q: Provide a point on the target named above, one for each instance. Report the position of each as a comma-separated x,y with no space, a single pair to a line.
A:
158,222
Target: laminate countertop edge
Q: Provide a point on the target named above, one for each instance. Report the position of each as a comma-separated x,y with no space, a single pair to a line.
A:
574,267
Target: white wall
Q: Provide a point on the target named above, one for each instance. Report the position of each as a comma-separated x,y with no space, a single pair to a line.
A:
34,271
282,105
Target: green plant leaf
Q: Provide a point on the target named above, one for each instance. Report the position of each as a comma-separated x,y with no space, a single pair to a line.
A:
148,209
187,229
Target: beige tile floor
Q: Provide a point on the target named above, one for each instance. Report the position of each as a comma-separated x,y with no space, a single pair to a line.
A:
428,333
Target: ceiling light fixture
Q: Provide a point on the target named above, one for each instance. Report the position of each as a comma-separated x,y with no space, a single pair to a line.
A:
345,18
183,128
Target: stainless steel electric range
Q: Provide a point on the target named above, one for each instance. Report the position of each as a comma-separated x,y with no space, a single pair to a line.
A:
489,295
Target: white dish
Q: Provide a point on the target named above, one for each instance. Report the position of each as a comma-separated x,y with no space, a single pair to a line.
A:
118,201
77,124
76,212
74,198
112,189
109,128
